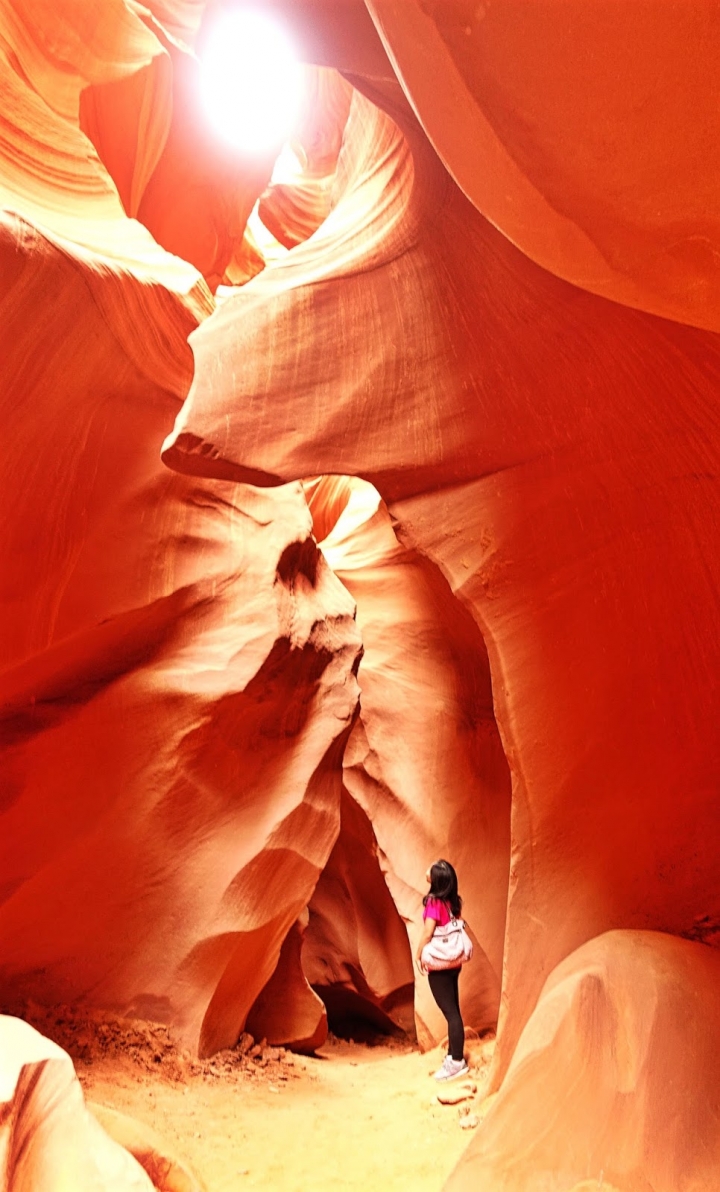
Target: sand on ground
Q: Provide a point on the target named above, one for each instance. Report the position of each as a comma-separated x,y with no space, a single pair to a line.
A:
353,1118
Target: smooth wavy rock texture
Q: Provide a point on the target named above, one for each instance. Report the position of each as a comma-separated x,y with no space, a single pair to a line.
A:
355,952
287,1011
48,1138
465,421
622,1053
294,209
590,140
424,758
179,678
193,634
168,1172
185,186
49,172
556,455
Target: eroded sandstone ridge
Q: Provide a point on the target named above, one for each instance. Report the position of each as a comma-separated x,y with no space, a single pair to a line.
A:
621,1053
492,296
424,758
48,1137
179,680
525,435
179,661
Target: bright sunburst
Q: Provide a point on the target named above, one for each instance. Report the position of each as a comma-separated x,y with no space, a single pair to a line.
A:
251,81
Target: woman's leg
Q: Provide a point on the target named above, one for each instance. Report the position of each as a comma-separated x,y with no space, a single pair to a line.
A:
444,988
456,1035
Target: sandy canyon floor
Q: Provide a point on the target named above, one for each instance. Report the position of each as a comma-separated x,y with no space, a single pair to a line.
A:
355,1117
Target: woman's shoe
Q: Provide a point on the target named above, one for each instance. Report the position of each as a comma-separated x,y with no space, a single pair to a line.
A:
451,1069
442,1069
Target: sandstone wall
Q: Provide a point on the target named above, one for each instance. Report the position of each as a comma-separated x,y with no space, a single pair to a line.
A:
555,454
506,324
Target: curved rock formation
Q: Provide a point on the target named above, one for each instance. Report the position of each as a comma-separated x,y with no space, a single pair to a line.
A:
590,141
356,953
178,179
293,210
555,454
287,1011
48,1139
622,1054
49,172
335,288
424,758
168,1172
178,692
192,633
178,682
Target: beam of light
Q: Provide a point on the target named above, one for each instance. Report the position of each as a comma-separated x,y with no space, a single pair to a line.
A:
251,82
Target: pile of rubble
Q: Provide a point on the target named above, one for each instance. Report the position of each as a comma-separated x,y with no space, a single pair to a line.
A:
91,1037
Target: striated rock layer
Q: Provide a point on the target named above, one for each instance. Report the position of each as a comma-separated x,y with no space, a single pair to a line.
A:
178,680
48,1139
176,661
173,175
622,1053
555,454
424,758
356,954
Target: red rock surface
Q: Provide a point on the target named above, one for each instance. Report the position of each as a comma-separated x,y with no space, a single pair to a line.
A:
179,701
48,1139
590,141
287,1011
622,1053
555,455
356,953
176,627
178,679
424,758
185,186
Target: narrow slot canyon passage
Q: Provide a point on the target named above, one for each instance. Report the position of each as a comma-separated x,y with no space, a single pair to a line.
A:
359,367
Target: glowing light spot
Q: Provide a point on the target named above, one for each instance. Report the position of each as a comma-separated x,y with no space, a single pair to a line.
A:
251,82
288,167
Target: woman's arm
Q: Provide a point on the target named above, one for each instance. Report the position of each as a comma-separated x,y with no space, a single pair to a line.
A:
428,930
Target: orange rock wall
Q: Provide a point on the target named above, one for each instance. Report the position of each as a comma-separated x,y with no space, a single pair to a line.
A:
495,354
48,1138
182,184
355,952
287,1011
424,758
178,661
621,1053
590,142
178,683
555,454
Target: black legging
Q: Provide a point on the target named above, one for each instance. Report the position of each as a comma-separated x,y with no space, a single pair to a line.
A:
444,988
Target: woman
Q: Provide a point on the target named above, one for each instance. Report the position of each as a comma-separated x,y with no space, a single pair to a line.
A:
443,903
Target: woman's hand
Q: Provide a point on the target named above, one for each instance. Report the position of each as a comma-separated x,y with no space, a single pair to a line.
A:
428,930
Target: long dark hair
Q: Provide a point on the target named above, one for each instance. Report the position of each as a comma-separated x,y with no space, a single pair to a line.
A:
444,885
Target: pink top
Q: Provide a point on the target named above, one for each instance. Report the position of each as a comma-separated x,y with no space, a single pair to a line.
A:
438,910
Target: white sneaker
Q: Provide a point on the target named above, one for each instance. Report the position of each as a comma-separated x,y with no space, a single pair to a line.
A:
451,1069
442,1069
